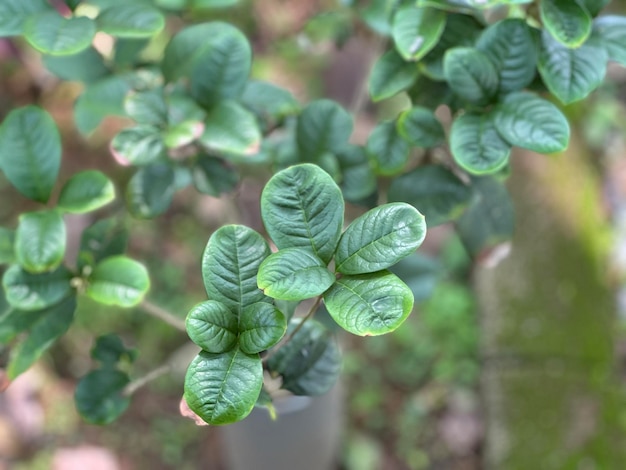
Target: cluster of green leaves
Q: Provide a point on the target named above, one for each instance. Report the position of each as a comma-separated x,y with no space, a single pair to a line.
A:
253,291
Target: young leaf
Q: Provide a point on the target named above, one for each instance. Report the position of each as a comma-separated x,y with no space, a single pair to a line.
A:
470,74
567,21
109,349
213,176
323,127
147,107
230,265
476,145
30,151
420,128
369,304
13,14
416,30
130,20
261,326
294,274
223,388
212,326
380,238
388,152
104,238
302,206
391,75
310,362
434,191
229,128
26,291
51,33
527,121
7,246
150,191
85,66
611,30
40,241
118,280
99,398
86,191
139,145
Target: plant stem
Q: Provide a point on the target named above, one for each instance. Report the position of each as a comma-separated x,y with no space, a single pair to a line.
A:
162,314
136,384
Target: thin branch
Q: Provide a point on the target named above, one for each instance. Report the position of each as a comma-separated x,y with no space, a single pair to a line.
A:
162,314
136,384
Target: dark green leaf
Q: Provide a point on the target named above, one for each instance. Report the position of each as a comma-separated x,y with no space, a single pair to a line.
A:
470,74
86,191
26,291
430,94
416,30
421,273
127,53
118,280
14,13
358,179
99,398
231,129
13,322
85,66
139,145
324,126
104,238
7,246
130,20
611,30
40,241
593,6
100,100
261,326
213,176
419,127
109,350
53,34
391,75
147,107
150,191
212,326
387,150
567,21
269,101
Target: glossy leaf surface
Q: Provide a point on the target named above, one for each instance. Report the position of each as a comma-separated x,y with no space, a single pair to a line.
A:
118,280
261,326
567,21
416,30
212,326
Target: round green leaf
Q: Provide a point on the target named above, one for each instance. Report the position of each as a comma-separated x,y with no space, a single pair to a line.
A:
99,398
26,291
53,34
40,241
212,326
323,127
387,150
213,176
183,133
86,191
85,66
231,129
434,191
476,145
302,206
150,190
470,74
13,14
611,29
118,280
294,274
223,388
230,265
380,238
566,20
416,30
530,122
571,74
139,145
391,75
30,151
147,107
261,326
419,127
130,20
369,304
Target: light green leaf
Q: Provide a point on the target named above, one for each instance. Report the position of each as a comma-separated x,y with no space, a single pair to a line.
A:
310,362
85,66
434,191
323,127
150,191
387,150
99,398
476,145
30,151
53,34
571,74
100,100
147,107
139,145
230,265
302,206
369,304
416,30
223,388
527,121
391,75
294,274
567,21
358,180
229,128
7,246
380,238
104,238
118,280
212,326
420,128
261,326
86,191
130,20
29,292
470,74
182,134
40,241
611,30
213,176
13,14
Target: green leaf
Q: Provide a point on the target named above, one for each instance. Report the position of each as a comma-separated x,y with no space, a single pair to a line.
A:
13,322
476,145
223,388
182,134
420,128
358,179
387,150
593,6
147,107
417,30
129,20
434,191
109,350
470,74
13,14
100,100
7,246
380,238
567,21
294,274
310,362
150,191
430,94
611,30
323,126
118,280
99,398
51,33
30,151
421,273
46,329
571,74
268,101
212,326
213,176
29,292
510,45
527,121
139,145
261,326
40,241
230,128
86,191
104,238
302,206
230,265
369,304
85,66
391,75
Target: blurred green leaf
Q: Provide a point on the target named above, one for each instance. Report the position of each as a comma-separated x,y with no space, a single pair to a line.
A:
86,191
416,30
51,33
567,21
182,134
104,238
85,66
420,128
150,191
139,145
390,75
130,20
26,291
213,176
212,326
13,14
387,150
109,349
7,246
99,398
261,326
147,107
358,180
323,126
611,30
118,280
40,240
229,128
470,74
268,101
100,100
